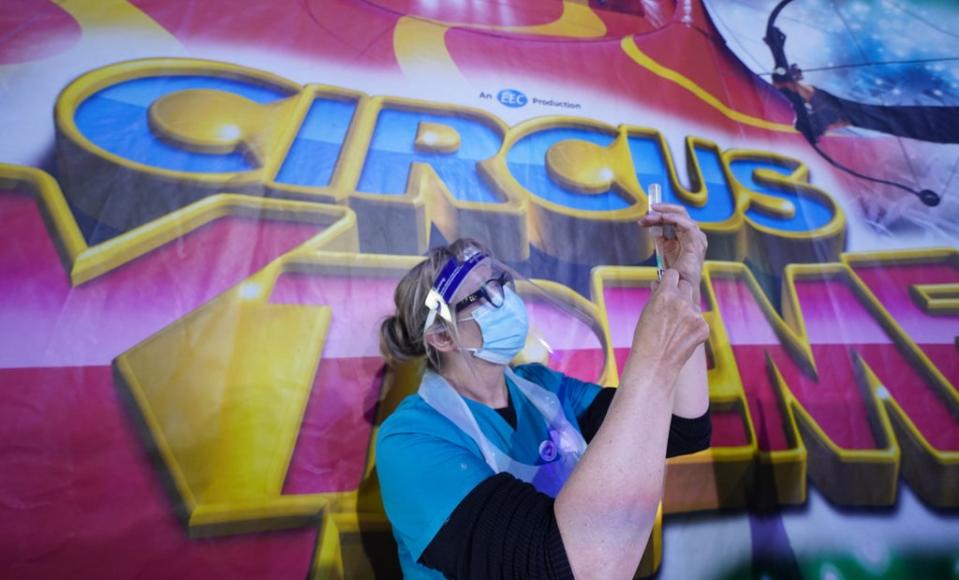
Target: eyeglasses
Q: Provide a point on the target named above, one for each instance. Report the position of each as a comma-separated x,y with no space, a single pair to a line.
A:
491,291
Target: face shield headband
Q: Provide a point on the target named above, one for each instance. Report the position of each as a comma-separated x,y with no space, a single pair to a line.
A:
447,283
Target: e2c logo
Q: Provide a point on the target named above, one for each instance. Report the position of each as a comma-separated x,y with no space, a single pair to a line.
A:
511,98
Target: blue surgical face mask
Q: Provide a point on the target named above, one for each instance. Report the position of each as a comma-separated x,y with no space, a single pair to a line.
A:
503,329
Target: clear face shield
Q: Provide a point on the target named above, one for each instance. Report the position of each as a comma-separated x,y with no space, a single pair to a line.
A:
492,314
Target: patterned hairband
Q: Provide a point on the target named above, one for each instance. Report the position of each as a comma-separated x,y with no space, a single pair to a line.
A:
446,284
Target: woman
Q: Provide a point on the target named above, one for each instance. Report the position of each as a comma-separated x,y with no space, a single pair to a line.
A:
485,472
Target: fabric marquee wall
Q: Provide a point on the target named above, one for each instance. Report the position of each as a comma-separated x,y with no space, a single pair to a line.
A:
206,206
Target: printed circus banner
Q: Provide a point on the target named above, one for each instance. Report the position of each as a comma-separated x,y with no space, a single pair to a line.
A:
207,206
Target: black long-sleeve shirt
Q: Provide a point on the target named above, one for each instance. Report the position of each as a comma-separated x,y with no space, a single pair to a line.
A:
505,528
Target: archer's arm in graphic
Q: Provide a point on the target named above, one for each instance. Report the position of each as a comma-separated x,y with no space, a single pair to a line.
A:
815,116
826,111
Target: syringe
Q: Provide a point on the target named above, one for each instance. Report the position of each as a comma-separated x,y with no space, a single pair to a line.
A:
656,196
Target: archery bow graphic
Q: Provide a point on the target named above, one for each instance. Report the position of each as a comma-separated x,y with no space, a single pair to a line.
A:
810,125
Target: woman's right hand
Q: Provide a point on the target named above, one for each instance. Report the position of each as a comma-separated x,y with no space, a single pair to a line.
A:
606,528
671,325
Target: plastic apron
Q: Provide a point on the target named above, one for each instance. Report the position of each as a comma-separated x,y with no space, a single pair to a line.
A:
561,451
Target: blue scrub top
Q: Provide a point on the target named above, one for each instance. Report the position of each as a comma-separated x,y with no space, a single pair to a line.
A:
427,465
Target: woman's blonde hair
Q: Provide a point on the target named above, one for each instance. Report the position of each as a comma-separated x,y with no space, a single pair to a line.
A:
401,335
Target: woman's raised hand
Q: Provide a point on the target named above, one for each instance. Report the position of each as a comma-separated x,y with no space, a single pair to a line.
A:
686,252
606,528
671,326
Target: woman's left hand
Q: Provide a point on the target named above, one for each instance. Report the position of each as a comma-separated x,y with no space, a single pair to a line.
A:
686,251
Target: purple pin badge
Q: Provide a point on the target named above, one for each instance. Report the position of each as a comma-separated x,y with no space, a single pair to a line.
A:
547,450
